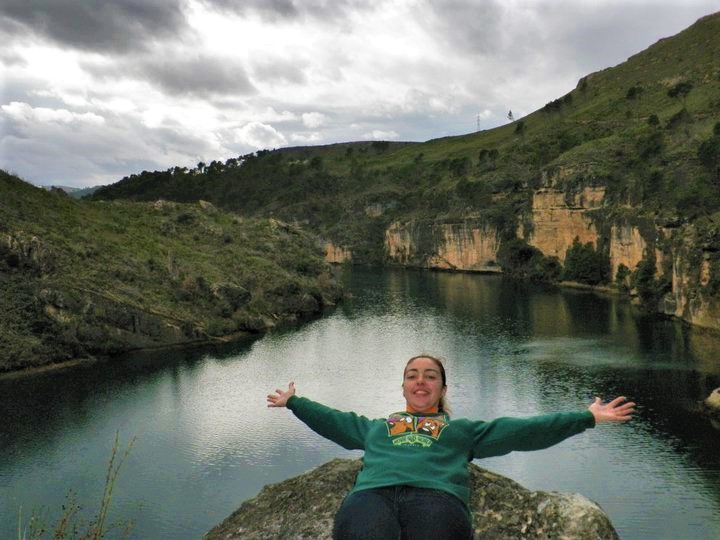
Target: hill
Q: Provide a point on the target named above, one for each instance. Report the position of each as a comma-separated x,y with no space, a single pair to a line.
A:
81,279
627,164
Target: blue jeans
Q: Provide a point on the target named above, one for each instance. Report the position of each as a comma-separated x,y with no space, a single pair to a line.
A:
402,512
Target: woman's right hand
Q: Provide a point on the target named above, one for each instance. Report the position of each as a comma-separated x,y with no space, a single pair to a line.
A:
280,397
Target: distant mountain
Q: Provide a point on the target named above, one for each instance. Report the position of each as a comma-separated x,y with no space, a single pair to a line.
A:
617,182
76,193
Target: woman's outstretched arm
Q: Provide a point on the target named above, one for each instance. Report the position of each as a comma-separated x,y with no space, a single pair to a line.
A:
344,428
504,435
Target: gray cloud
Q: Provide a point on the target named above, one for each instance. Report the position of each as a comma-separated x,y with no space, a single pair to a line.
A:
282,70
274,10
104,25
469,26
197,76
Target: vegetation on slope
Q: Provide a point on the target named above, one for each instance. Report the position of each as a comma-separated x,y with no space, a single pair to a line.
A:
647,130
79,278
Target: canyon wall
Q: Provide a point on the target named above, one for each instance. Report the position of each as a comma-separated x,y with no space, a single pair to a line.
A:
555,219
337,254
469,245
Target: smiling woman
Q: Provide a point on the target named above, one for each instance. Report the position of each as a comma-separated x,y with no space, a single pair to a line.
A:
414,480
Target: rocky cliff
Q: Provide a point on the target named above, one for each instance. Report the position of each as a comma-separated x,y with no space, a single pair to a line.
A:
557,217
470,245
304,507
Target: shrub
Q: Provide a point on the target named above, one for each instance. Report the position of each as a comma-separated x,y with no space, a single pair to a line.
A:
680,90
680,117
622,276
648,288
709,153
519,259
634,92
650,144
380,146
653,120
585,264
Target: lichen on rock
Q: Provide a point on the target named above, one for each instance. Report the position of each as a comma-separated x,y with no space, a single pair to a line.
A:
304,507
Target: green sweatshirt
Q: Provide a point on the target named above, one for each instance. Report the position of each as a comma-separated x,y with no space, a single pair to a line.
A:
431,450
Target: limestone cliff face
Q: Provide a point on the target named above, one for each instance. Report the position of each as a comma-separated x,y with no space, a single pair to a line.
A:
469,246
337,254
558,218
694,280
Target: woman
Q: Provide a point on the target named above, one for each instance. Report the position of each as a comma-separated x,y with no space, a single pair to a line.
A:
414,480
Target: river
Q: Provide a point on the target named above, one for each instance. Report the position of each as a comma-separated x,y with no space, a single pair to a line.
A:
204,440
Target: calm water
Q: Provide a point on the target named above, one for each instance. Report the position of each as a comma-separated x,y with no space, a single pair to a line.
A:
206,441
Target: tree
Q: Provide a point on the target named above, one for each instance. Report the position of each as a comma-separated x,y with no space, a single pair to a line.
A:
680,90
583,263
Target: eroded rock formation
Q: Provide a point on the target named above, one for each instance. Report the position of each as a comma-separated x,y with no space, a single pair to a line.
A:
469,246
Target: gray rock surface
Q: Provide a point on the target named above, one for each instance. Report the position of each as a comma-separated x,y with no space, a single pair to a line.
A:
304,507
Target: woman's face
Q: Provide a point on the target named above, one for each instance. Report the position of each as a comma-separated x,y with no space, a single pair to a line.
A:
422,385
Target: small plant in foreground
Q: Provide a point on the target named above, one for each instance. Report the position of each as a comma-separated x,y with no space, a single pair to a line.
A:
71,524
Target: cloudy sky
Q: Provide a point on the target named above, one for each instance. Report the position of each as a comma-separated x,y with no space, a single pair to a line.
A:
91,91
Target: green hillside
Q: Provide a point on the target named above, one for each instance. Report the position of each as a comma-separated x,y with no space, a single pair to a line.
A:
79,278
646,129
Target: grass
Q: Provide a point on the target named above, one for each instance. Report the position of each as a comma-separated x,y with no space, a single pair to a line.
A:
71,524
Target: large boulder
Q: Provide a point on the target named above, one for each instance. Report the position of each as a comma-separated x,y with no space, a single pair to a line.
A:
304,507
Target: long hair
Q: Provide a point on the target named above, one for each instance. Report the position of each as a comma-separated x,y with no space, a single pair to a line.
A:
443,405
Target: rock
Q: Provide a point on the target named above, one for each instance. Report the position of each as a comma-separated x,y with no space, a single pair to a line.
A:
235,295
207,207
162,205
713,400
304,507
710,408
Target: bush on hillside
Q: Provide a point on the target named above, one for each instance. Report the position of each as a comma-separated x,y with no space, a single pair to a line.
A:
709,154
649,288
519,259
634,92
680,90
680,117
585,264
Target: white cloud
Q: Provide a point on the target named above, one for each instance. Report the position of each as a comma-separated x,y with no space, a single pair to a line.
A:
311,137
314,120
381,135
24,113
259,136
271,115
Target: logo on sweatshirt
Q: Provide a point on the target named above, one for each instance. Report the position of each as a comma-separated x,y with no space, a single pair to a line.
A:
405,428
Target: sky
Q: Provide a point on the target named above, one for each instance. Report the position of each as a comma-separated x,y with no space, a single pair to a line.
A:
92,91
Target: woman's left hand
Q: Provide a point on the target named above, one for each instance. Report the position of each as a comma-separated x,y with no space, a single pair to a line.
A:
615,411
